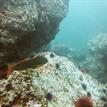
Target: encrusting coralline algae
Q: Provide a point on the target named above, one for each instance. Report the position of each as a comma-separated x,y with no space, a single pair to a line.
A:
49,85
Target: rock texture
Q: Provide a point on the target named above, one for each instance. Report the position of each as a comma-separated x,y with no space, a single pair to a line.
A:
98,44
97,59
58,83
26,25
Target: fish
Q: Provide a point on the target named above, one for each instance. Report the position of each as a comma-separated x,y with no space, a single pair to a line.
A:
27,63
30,63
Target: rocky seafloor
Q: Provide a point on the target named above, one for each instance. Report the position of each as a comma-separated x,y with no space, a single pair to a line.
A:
96,60
58,83
93,61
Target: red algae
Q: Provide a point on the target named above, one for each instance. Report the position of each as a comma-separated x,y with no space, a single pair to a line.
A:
84,102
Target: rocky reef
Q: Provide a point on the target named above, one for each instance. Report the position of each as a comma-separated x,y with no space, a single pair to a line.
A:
97,59
94,61
27,25
61,50
57,83
98,44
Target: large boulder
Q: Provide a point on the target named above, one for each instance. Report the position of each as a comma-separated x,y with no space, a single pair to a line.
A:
57,83
26,25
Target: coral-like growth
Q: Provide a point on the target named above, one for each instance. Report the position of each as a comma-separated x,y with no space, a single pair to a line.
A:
84,102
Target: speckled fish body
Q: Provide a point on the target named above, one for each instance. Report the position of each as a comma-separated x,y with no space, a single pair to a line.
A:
30,63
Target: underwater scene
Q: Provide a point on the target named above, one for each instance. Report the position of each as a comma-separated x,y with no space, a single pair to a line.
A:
83,32
53,53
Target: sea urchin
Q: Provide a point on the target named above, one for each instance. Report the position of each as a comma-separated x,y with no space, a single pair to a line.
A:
84,102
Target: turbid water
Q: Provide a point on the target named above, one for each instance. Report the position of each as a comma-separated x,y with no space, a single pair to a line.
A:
86,19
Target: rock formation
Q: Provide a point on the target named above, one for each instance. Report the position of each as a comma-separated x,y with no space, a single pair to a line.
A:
27,25
58,83
96,61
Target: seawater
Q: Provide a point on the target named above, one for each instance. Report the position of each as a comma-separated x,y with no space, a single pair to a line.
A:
85,19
